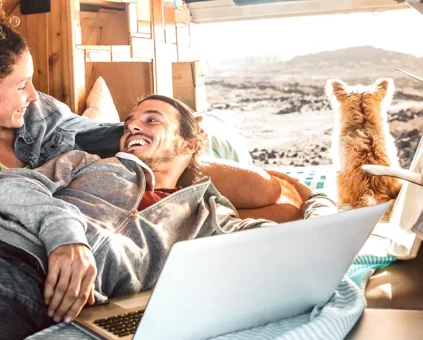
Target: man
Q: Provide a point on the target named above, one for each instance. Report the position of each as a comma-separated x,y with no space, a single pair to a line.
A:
102,210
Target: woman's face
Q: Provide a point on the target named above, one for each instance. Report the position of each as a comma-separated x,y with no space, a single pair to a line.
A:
16,92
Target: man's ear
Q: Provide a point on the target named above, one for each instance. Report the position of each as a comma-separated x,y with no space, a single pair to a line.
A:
335,91
190,146
199,118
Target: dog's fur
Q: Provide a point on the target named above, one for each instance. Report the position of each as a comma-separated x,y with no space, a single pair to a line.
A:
361,136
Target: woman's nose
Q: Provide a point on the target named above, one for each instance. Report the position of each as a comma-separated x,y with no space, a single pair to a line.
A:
32,93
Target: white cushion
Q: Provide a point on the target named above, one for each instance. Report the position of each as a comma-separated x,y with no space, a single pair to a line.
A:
100,105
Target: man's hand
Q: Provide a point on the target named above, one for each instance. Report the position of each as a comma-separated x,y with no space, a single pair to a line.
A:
70,281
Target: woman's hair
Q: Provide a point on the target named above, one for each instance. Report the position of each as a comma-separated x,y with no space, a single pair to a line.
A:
189,127
12,46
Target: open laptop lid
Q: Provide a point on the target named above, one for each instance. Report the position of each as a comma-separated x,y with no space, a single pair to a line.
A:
220,284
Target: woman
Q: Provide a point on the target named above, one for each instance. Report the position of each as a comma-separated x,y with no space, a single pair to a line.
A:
35,128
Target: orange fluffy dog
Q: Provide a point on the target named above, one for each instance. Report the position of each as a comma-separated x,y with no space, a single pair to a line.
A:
361,136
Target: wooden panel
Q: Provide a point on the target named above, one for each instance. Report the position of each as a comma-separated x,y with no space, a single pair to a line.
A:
121,53
142,49
170,28
144,10
144,17
144,27
79,80
188,86
56,52
76,58
171,52
37,35
66,54
104,3
182,16
127,83
98,55
131,15
9,6
105,27
183,83
182,40
162,65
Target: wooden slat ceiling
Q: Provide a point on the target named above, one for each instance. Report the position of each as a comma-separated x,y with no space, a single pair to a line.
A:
226,10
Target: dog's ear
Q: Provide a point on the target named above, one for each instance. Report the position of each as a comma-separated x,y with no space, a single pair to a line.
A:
335,91
384,89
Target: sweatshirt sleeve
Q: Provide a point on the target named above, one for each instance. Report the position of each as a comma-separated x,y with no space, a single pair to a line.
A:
225,219
319,206
92,136
26,198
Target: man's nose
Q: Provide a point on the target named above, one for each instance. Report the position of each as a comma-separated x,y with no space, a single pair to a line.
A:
134,127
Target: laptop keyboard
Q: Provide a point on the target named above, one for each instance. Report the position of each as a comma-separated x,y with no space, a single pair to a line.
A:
122,324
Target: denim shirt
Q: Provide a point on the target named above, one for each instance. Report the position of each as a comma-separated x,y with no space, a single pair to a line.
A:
51,129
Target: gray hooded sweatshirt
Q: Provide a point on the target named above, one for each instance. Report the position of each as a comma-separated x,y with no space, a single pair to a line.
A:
80,198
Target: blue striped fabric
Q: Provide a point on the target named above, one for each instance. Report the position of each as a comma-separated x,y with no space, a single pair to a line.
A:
332,321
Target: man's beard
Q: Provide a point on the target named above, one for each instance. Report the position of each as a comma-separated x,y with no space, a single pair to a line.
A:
165,157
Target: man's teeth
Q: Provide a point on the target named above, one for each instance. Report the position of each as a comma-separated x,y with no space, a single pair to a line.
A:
141,142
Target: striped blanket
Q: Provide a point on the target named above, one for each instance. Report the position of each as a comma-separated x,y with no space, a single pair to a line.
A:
333,320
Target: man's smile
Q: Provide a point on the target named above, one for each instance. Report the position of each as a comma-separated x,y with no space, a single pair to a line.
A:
137,141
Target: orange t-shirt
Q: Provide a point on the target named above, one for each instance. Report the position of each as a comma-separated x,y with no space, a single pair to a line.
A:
150,197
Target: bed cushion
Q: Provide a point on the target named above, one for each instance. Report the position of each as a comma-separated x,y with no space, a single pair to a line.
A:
100,105
224,141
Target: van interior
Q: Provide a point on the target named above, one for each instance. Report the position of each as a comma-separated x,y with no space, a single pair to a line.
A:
86,49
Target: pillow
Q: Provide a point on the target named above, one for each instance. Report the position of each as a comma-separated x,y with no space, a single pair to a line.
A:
224,141
100,105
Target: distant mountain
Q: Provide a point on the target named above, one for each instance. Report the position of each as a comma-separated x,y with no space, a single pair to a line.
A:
349,63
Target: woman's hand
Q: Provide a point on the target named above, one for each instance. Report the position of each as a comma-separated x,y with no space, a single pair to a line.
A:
301,189
70,281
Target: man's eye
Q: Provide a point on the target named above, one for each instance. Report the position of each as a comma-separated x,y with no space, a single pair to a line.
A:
22,88
152,120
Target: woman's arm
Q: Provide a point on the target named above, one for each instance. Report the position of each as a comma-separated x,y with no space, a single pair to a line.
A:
245,186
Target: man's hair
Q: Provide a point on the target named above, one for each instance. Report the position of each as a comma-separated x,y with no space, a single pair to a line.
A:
12,46
189,127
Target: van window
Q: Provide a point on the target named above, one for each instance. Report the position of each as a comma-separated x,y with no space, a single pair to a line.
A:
268,77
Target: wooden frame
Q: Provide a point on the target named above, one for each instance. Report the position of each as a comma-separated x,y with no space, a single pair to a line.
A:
134,44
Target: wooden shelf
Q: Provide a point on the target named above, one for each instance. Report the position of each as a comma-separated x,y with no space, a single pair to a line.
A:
102,4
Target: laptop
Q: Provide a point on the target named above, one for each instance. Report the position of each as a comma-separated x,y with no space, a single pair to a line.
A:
224,283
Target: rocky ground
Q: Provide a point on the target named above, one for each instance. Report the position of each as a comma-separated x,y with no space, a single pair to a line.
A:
290,123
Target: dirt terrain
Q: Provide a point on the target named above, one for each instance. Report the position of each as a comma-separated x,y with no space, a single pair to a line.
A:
281,110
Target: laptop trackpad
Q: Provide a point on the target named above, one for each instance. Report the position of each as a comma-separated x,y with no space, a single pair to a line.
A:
133,302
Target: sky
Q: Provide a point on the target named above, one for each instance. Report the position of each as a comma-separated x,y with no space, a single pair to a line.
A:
396,30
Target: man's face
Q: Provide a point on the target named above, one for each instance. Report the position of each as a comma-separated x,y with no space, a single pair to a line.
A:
16,92
151,133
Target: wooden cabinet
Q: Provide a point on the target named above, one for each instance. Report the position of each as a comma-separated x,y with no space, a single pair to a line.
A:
133,44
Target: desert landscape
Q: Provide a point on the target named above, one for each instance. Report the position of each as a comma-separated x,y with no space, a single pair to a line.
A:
281,111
